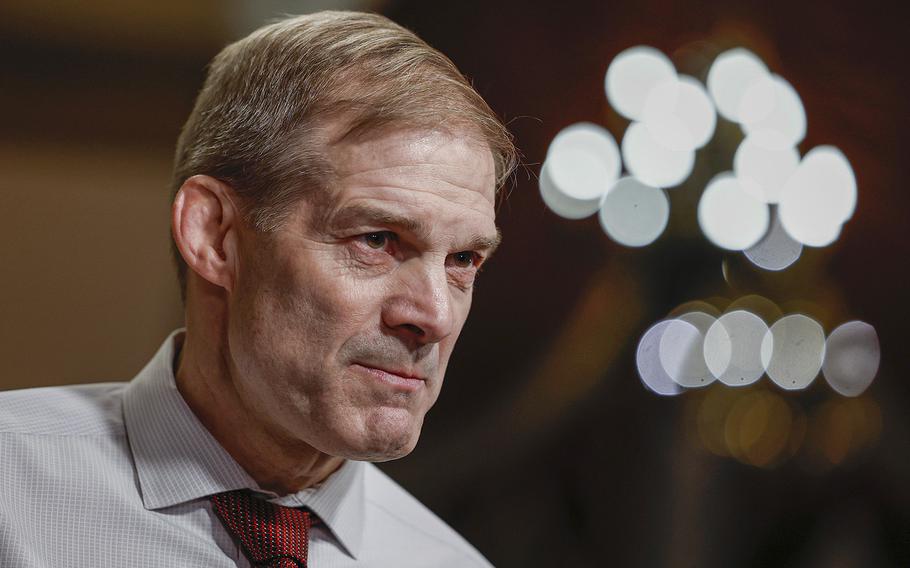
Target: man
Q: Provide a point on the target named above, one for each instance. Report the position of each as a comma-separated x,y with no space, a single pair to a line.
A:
334,200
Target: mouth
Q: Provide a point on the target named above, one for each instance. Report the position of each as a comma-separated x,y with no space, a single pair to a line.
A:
398,378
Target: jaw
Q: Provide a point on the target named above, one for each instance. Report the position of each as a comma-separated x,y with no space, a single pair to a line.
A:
381,434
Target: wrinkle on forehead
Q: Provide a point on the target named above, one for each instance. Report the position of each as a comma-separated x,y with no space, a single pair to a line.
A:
434,156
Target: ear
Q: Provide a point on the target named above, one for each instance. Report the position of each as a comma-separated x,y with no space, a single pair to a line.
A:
204,223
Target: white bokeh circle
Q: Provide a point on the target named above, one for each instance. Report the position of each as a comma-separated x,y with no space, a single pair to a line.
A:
732,348
763,171
631,76
634,214
560,203
647,360
682,350
583,161
792,351
819,197
647,158
852,358
776,250
680,114
781,127
731,217
730,76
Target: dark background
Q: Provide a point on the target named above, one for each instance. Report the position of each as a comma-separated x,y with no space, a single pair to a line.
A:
545,448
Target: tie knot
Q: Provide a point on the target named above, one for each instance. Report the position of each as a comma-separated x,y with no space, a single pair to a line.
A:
269,534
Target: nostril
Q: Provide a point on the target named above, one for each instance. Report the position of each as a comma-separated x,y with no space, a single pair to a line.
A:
413,329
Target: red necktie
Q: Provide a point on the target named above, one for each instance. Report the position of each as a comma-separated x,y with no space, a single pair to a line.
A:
270,535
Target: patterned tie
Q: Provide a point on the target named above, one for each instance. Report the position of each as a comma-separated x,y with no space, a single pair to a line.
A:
270,535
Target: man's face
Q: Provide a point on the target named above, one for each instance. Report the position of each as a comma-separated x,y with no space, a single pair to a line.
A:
342,322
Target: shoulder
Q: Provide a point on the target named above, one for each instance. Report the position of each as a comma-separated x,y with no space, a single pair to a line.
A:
77,410
395,505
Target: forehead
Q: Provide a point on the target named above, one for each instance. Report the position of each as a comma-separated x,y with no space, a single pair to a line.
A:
437,173
451,156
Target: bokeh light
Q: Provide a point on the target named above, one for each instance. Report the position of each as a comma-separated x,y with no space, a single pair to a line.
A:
852,358
634,214
653,162
759,305
731,217
562,204
827,165
762,171
783,125
732,348
682,350
730,76
672,116
757,428
583,161
769,206
777,249
693,306
647,359
632,75
758,100
819,197
696,345
753,425
840,429
680,114
792,351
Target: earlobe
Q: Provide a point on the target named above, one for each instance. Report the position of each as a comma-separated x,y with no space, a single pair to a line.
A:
203,223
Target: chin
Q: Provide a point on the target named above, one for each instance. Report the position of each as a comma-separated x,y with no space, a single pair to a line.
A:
384,440
376,453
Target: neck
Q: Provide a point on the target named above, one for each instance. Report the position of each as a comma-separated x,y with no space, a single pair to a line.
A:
275,461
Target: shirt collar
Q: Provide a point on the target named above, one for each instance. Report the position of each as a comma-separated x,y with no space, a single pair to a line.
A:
178,460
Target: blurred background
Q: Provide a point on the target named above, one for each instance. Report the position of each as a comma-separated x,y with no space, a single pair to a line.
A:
545,448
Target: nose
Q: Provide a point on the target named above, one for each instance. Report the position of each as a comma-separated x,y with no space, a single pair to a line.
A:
419,309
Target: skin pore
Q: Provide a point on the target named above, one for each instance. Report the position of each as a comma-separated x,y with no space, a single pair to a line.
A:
328,338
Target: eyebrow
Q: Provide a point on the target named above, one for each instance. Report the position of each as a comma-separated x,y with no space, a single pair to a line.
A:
365,213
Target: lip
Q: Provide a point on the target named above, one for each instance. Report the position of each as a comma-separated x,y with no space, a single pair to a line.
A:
395,378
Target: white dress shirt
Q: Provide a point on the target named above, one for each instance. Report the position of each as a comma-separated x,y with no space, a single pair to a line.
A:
119,474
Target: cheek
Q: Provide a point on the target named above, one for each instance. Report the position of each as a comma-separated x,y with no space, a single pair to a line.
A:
447,345
302,306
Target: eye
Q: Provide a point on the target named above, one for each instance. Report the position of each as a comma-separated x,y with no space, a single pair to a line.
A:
464,259
378,240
